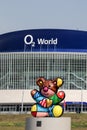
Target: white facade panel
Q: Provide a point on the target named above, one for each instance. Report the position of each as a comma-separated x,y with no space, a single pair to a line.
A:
17,96
76,95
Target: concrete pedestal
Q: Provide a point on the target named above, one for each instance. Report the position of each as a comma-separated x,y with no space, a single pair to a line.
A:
48,123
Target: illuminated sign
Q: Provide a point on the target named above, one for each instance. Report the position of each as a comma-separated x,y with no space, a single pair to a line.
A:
29,40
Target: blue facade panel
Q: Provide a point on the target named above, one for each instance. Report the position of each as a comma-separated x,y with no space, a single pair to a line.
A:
44,40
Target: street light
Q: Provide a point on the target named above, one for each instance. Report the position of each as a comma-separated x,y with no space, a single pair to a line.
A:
81,94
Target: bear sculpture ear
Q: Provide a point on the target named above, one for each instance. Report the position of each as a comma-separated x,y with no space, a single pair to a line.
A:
58,82
40,81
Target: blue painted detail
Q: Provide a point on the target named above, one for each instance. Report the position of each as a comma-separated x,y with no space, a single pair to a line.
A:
67,41
41,109
38,97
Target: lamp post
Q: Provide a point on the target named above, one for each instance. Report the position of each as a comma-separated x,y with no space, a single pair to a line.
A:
22,101
81,88
81,100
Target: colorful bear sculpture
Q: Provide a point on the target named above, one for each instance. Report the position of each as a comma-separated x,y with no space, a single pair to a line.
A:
47,98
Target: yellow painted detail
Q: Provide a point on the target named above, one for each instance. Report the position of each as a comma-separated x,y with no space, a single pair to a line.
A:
59,82
57,111
49,103
41,82
33,108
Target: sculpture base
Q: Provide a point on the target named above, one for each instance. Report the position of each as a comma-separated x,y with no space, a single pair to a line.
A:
48,123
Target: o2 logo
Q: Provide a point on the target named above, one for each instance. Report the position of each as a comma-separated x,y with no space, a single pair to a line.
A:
28,40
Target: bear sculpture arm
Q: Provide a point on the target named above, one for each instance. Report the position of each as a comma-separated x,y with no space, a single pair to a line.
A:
43,101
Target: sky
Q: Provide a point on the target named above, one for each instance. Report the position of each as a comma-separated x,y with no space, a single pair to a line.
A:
35,14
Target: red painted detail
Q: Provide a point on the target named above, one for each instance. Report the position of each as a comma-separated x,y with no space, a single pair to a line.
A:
34,114
61,94
43,102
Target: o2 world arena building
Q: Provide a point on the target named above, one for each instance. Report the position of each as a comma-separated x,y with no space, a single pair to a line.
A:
50,53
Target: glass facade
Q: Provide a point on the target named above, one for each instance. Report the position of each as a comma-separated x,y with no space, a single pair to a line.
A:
20,70
14,108
10,108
